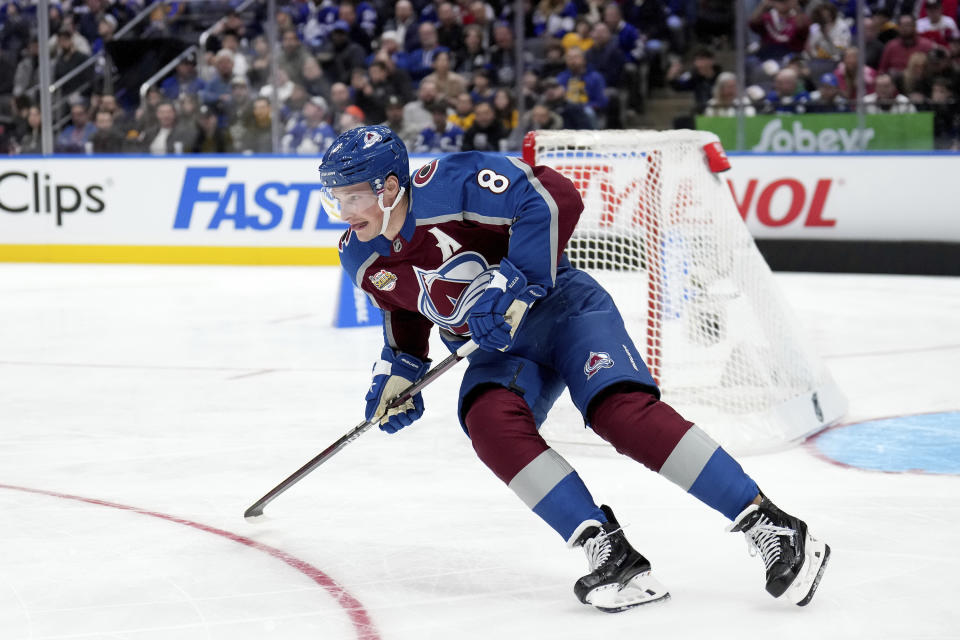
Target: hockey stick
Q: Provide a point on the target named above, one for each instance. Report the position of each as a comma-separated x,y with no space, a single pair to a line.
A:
256,509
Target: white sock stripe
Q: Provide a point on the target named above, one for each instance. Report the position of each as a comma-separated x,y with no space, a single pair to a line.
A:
688,458
539,477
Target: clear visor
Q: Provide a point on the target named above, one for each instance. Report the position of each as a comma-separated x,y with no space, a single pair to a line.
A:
342,203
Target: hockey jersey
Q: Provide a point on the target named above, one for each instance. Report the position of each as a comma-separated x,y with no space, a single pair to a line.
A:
467,212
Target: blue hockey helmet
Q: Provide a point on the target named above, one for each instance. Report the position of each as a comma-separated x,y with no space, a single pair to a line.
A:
365,154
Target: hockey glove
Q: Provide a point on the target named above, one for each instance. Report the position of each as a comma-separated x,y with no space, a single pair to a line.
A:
496,316
392,374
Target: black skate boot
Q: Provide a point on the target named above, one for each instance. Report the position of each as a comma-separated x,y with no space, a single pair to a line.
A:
619,577
794,559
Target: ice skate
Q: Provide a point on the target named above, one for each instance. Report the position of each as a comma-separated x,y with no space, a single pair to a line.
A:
619,577
794,559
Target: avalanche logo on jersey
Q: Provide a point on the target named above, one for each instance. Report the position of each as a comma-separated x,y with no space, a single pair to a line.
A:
371,138
596,361
448,292
384,280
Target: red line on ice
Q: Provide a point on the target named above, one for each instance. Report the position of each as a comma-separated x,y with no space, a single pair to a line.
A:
353,608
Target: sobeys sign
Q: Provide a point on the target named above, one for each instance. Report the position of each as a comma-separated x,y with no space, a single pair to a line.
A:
824,132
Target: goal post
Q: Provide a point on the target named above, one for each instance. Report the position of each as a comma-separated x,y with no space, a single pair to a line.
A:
661,232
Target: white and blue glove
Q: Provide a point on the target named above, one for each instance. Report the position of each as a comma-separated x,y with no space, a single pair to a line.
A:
393,373
496,316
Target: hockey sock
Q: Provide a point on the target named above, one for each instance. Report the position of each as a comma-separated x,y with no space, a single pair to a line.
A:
642,427
504,435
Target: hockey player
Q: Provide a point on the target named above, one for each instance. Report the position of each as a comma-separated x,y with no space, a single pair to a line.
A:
474,243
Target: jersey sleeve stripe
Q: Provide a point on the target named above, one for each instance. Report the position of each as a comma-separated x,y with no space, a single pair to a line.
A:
358,276
551,205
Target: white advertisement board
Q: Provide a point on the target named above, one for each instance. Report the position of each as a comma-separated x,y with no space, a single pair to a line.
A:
236,209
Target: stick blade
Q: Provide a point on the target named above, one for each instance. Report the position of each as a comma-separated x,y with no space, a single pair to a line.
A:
254,514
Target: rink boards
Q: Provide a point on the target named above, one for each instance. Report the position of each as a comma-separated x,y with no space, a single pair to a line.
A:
266,209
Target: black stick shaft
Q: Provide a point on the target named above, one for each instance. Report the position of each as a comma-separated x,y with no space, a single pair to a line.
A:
256,509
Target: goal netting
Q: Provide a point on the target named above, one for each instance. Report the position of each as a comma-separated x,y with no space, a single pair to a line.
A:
660,230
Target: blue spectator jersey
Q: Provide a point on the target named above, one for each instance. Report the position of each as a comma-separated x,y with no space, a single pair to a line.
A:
447,141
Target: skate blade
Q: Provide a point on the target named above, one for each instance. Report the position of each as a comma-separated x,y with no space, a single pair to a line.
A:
816,555
642,589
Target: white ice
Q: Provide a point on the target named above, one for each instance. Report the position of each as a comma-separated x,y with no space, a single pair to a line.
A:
190,391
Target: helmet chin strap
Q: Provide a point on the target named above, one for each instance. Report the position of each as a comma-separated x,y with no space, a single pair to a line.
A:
386,210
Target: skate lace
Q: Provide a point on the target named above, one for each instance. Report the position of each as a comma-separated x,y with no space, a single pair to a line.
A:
764,537
598,549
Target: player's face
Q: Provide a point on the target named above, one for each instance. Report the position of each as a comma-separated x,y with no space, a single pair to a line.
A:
359,208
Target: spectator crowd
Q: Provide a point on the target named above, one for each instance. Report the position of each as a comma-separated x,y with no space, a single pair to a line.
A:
446,75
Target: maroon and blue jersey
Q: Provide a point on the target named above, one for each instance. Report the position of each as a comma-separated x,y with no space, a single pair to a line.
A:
467,212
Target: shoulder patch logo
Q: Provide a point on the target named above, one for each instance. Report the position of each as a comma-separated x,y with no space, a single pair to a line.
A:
371,138
384,280
597,360
425,173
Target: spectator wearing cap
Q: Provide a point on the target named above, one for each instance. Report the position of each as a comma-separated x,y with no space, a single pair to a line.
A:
827,97
351,118
573,115
106,28
936,26
487,131
358,32
403,26
342,54
212,137
184,79
724,102
584,87
396,122
238,108
308,132
897,52
449,83
887,98
442,136
420,61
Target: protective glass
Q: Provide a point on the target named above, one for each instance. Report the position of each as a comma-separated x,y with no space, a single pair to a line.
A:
343,204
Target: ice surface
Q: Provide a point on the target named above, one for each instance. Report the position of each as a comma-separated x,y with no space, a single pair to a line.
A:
191,391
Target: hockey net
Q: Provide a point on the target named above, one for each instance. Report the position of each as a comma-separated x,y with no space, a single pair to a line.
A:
661,232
